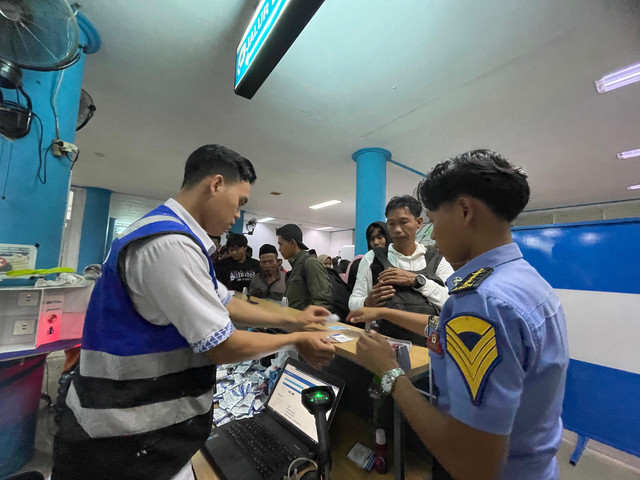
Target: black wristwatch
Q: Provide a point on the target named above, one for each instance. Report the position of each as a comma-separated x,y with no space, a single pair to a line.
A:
420,281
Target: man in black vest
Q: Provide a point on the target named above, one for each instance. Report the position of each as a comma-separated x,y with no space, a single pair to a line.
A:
405,275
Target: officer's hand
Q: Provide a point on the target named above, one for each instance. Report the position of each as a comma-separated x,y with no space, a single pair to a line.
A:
311,314
316,348
374,353
397,276
365,314
379,295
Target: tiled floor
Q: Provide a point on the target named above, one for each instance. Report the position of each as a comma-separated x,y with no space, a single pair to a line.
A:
599,462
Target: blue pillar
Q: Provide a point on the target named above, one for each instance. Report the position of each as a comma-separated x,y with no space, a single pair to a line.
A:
95,223
371,186
239,225
33,212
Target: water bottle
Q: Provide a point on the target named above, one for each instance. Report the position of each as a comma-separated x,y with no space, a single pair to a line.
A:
380,462
284,302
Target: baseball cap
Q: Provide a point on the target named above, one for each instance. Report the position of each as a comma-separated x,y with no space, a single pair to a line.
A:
292,231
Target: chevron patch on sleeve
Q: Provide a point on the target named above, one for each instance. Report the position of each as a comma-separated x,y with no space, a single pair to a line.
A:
471,344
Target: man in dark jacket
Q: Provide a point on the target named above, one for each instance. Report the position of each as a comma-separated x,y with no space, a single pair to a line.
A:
377,236
307,282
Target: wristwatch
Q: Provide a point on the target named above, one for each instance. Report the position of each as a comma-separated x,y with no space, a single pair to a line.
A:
389,380
420,281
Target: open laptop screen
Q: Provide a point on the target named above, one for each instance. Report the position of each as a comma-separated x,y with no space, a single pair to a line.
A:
286,398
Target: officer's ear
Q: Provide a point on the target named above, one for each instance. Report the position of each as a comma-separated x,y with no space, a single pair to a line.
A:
465,206
214,183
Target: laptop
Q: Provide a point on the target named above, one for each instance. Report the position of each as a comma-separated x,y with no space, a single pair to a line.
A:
262,447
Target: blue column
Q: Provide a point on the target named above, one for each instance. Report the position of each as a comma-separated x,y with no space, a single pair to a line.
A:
33,212
371,186
239,225
111,234
95,223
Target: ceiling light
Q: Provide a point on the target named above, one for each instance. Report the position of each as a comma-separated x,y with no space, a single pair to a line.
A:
619,78
325,204
634,187
266,219
323,228
629,154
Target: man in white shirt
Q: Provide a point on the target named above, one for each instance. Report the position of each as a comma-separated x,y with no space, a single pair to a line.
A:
157,324
408,263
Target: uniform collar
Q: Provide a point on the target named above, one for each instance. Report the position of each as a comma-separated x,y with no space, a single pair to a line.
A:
194,226
489,259
418,252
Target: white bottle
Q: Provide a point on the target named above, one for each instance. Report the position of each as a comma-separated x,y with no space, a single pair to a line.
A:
284,302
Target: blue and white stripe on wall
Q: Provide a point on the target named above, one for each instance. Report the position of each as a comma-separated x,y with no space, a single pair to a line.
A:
595,269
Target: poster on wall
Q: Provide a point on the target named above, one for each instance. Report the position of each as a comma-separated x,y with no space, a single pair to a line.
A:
16,257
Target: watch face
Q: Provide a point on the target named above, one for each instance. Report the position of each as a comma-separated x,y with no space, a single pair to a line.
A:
420,281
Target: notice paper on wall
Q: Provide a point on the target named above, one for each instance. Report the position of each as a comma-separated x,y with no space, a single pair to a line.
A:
16,257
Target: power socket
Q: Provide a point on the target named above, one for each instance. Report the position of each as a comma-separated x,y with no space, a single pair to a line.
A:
60,148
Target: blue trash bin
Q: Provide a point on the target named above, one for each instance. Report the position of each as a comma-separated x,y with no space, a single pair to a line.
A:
20,387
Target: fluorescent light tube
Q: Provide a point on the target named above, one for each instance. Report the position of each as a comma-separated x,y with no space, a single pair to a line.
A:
619,78
324,228
325,204
634,187
629,154
266,219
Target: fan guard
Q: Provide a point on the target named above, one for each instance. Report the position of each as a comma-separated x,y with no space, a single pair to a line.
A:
86,109
38,34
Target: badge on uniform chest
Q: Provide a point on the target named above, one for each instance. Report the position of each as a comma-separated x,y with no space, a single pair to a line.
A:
433,343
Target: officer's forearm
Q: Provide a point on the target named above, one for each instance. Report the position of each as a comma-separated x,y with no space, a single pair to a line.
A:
248,315
465,452
416,322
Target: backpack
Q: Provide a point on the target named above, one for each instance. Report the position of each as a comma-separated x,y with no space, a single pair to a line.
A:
340,293
407,298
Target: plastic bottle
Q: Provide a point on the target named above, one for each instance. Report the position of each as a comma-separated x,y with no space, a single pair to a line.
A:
284,302
380,463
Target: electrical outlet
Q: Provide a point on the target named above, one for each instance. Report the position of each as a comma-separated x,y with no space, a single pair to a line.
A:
24,327
28,299
60,148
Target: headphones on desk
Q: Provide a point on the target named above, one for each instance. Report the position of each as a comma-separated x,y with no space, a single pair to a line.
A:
307,470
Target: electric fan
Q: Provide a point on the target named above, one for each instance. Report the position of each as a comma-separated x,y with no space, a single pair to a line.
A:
36,35
85,110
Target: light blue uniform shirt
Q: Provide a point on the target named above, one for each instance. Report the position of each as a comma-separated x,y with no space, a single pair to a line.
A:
504,359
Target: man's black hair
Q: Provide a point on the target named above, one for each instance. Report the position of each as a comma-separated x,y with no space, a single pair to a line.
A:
481,174
402,201
216,159
236,240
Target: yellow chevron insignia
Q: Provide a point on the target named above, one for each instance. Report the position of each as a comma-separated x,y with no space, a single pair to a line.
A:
473,280
471,343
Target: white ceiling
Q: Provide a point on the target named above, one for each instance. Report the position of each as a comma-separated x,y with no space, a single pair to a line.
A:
426,79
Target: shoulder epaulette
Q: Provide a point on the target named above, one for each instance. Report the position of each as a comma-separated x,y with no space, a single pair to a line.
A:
473,280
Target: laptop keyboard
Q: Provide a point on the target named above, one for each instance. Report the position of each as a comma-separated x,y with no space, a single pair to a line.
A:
267,451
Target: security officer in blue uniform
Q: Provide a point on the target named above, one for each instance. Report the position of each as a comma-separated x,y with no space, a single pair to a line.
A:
499,349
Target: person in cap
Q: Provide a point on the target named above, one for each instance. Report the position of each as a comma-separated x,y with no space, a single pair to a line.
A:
237,270
499,350
307,282
269,283
158,323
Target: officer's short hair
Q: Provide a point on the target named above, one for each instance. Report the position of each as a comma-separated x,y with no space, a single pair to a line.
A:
217,160
401,201
481,174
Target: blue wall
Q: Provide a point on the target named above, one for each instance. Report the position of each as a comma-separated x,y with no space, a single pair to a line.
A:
33,212
600,402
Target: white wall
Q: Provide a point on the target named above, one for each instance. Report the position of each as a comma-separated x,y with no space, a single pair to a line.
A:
342,244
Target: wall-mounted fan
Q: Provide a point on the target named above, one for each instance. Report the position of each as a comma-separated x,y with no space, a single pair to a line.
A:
36,35
86,109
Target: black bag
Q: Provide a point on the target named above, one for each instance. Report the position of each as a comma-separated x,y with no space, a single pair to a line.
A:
407,298
340,293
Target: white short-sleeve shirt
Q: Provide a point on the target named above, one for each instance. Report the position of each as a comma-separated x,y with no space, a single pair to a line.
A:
169,283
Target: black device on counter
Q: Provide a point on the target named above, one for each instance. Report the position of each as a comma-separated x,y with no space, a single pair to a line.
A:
262,447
